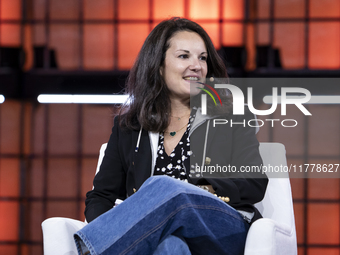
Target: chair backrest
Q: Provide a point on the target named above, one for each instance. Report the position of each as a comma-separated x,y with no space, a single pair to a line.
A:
277,203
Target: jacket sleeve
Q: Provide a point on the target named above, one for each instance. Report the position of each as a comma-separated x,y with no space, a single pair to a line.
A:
109,183
243,189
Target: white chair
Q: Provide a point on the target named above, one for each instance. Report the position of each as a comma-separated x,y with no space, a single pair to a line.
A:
273,235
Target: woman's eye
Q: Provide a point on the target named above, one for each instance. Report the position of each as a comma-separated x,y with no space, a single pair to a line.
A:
183,56
204,58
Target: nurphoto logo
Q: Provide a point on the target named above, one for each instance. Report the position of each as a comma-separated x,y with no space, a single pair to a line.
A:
239,103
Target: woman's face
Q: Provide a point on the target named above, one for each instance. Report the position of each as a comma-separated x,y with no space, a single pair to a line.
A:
185,62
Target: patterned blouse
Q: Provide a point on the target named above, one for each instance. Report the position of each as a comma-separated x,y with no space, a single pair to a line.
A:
174,165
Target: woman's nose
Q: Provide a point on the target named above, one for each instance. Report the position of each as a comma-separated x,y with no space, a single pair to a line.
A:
195,65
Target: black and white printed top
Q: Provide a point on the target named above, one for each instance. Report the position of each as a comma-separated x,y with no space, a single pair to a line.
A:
174,164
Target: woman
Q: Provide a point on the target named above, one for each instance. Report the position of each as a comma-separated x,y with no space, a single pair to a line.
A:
163,134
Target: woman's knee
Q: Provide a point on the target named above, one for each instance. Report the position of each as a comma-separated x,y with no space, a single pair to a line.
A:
165,184
161,180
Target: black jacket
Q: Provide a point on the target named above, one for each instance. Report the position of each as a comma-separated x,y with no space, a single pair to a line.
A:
124,169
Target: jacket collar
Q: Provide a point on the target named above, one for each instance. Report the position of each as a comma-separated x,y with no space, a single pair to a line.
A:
199,120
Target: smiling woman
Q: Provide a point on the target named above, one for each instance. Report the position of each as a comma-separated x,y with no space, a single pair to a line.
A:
146,84
156,142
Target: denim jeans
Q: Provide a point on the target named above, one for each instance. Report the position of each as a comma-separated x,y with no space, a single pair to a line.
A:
164,207
172,245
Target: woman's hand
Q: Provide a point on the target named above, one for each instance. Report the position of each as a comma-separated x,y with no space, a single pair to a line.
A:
210,189
207,188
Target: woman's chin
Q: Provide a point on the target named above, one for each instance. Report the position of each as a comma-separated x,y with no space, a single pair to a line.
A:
195,88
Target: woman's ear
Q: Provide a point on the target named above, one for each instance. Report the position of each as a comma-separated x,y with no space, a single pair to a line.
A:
161,70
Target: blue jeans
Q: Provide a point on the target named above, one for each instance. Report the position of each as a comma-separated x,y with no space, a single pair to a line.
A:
164,207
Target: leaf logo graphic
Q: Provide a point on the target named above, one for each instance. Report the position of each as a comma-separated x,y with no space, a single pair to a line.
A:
209,93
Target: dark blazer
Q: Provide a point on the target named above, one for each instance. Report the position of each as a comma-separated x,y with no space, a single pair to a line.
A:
124,169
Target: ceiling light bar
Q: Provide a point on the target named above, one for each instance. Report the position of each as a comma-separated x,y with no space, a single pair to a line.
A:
2,99
82,99
313,100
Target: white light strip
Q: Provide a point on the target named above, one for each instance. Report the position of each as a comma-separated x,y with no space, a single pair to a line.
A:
2,99
313,100
82,99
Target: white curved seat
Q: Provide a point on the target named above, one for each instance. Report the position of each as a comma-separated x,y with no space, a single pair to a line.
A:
272,235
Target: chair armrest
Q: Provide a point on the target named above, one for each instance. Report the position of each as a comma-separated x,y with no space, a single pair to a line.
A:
268,237
58,235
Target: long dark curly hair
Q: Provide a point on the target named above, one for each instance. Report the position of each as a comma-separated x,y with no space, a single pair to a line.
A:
149,104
